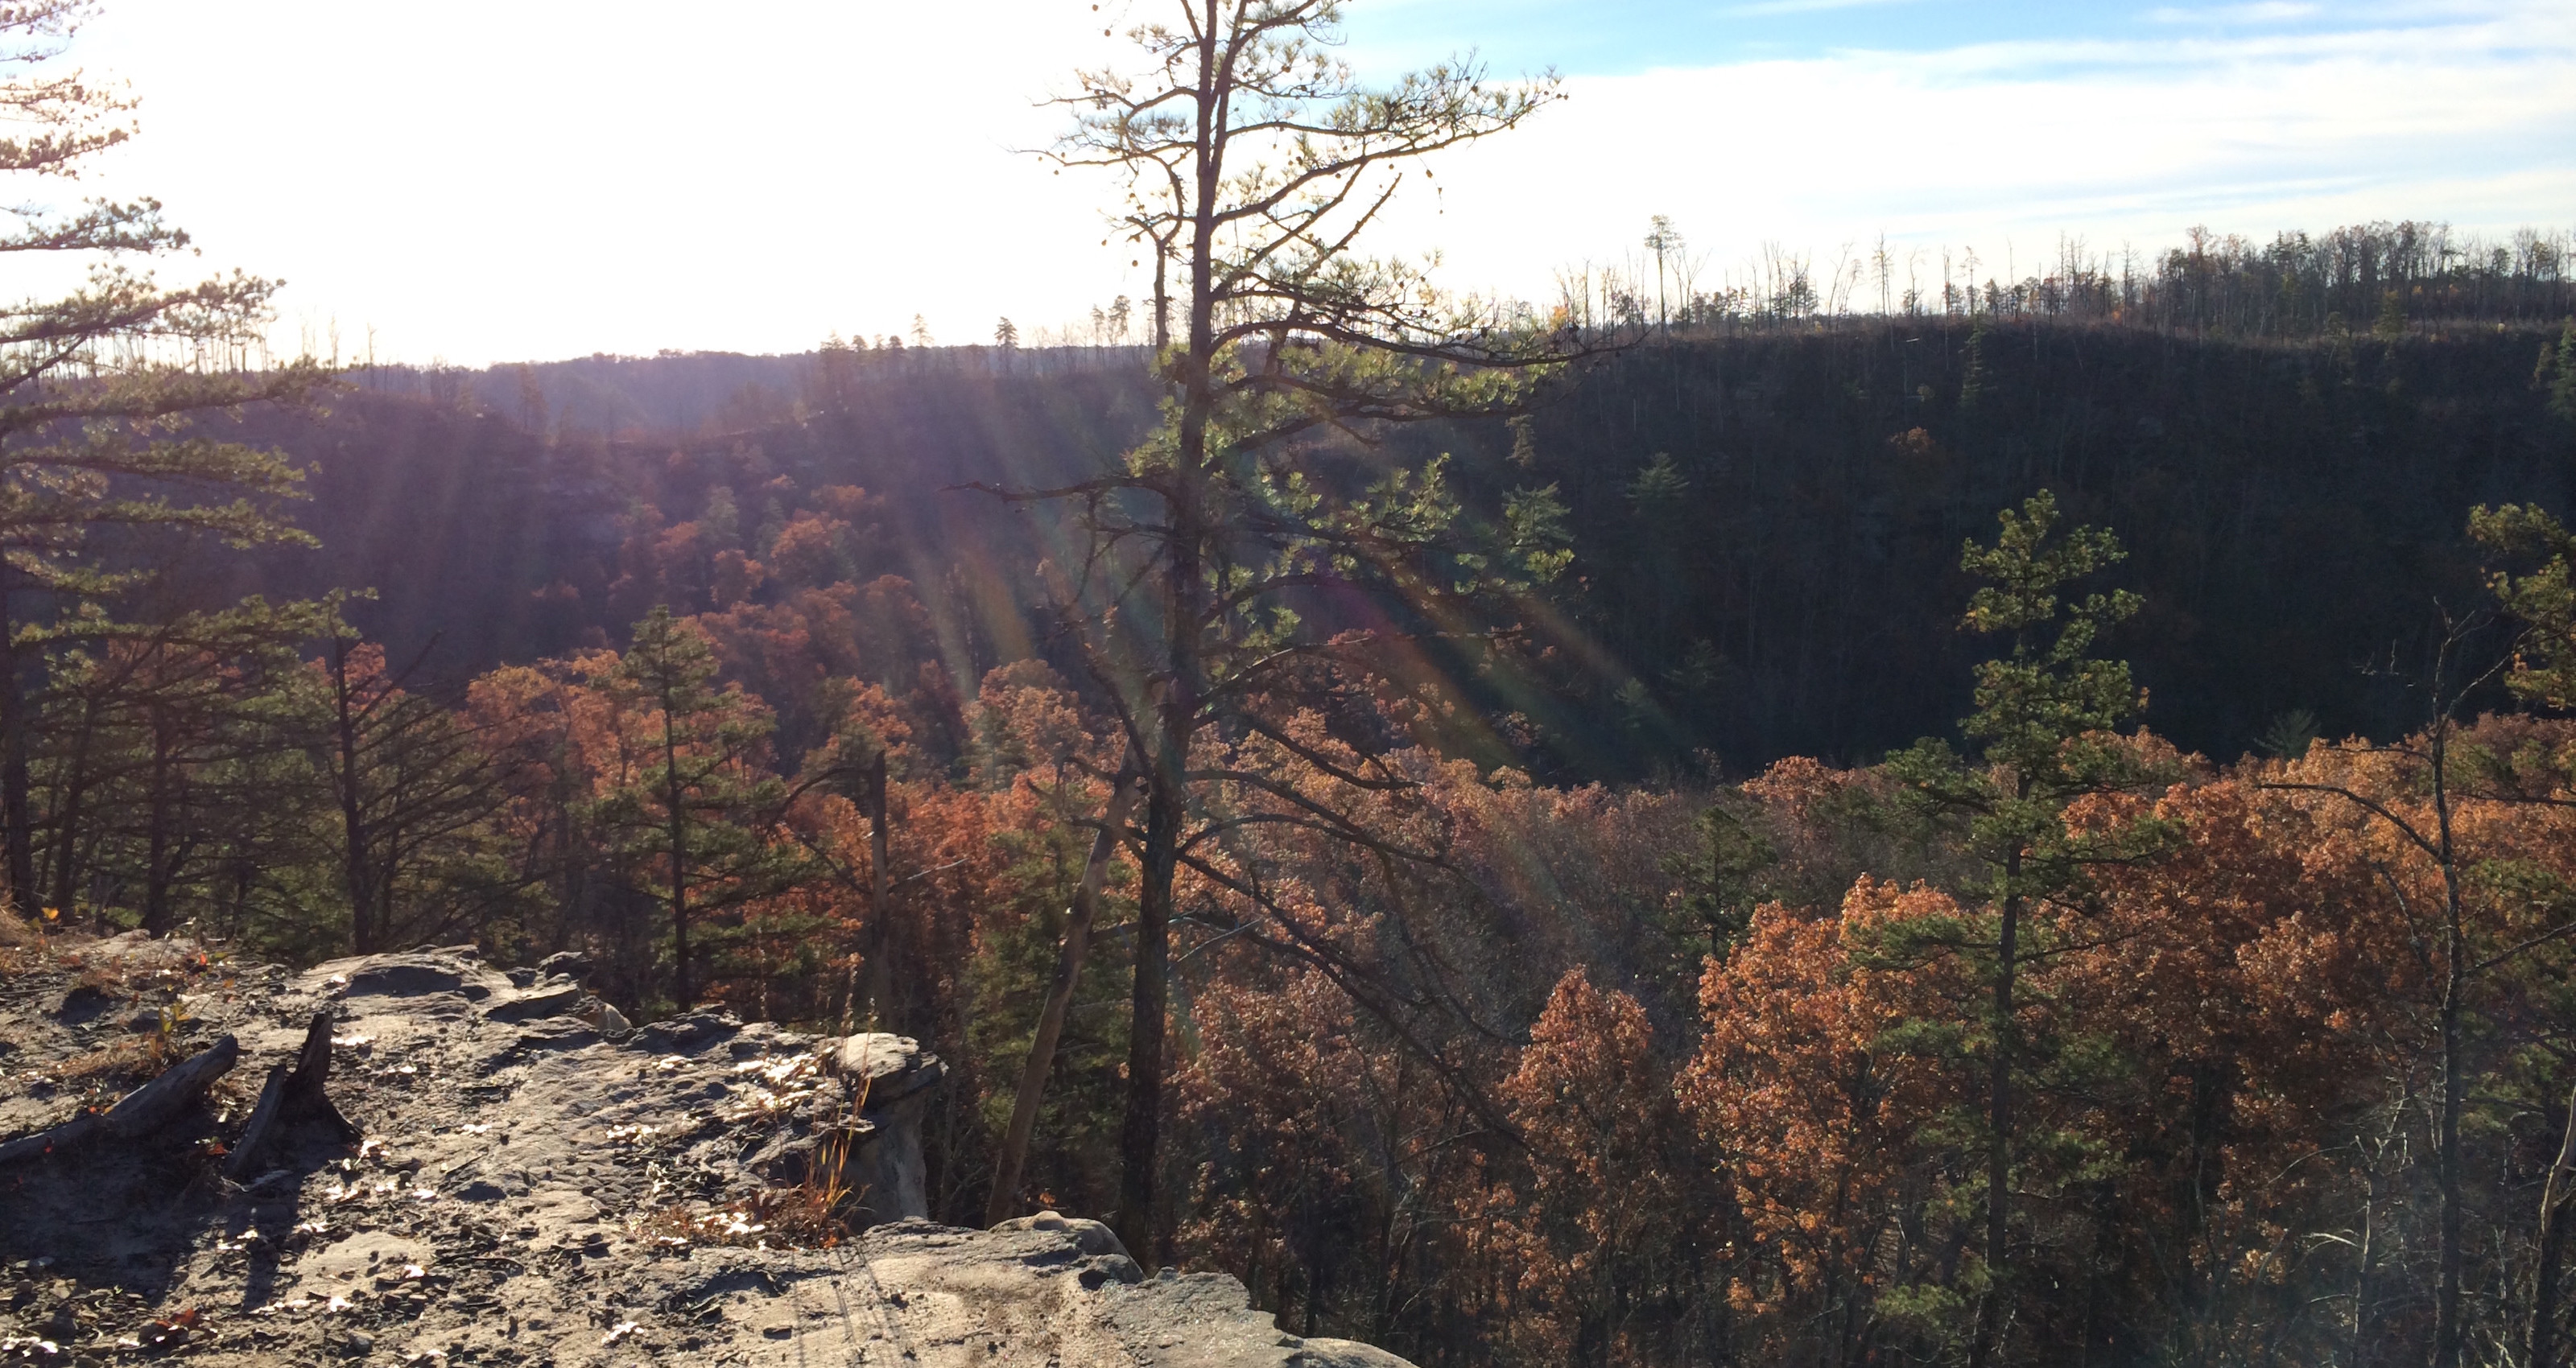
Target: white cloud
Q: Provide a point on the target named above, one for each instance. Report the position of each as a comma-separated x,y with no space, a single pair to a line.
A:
490,180
1771,7
2267,12
2002,147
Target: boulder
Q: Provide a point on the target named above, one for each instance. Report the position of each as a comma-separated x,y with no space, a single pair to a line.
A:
889,1079
528,1004
419,973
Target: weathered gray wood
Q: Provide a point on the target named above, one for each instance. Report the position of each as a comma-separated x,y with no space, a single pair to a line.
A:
140,1112
263,1127
148,1108
291,1096
305,1098
64,1136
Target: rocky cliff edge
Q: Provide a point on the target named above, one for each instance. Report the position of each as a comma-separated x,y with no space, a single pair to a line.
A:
531,1182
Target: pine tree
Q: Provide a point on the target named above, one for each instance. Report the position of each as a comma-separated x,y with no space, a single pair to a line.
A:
2562,384
93,388
2391,324
172,754
1251,159
415,792
1972,380
2043,728
2536,587
689,822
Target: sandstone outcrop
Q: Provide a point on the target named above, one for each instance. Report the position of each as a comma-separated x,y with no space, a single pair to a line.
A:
533,1183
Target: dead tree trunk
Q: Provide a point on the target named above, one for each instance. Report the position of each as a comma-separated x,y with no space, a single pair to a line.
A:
290,1097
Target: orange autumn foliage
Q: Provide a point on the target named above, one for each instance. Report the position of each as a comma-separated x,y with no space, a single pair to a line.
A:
1612,1234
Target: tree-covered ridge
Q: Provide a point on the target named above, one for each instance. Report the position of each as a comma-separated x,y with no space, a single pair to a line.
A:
1760,526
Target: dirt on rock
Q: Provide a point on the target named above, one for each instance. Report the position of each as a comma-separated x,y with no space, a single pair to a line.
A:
534,1183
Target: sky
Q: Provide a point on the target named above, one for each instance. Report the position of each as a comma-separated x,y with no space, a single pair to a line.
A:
482,181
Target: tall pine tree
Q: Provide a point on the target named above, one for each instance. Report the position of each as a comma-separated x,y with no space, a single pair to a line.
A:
2043,736
94,386
690,822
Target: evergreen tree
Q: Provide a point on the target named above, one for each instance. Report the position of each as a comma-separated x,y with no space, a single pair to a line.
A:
2536,587
2558,370
174,769
690,820
1524,442
1972,379
2391,324
2043,734
415,792
1251,160
93,386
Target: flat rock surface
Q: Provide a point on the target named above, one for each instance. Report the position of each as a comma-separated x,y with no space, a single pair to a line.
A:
536,1185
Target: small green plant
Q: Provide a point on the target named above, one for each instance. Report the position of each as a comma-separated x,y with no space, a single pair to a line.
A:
2289,734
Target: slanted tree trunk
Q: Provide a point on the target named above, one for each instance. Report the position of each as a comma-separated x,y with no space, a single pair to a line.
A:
1059,1000
2542,1343
14,807
879,947
366,928
1990,1309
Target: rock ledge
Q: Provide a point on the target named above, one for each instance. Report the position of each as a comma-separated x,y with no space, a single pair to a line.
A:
537,1183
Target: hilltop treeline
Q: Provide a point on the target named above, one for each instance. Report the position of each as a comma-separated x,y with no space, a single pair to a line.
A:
2360,278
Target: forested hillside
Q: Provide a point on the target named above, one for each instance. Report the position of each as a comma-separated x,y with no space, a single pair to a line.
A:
1764,522
1767,527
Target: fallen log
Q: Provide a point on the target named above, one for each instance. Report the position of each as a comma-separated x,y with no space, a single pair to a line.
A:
64,1136
140,1112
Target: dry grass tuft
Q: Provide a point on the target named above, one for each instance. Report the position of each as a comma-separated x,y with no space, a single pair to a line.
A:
125,1064
812,1214
773,1218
